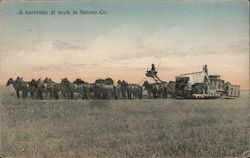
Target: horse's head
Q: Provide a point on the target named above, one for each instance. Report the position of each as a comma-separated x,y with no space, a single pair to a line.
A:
39,80
10,81
65,81
80,81
76,81
19,78
145,83
119,82
33,82
46,80
50,80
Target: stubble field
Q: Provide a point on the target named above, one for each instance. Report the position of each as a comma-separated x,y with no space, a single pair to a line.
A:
123,128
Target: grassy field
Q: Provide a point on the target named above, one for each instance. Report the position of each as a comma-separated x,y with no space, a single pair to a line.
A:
123,128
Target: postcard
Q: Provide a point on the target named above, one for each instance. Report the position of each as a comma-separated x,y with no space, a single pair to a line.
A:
114,78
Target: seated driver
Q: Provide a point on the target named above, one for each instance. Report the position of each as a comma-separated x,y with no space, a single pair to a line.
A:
153,70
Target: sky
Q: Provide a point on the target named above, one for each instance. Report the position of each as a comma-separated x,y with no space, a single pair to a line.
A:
177,36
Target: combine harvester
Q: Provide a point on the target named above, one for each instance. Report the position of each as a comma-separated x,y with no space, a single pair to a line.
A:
200,85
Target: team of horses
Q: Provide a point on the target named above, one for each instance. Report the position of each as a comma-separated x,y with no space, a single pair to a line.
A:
100,89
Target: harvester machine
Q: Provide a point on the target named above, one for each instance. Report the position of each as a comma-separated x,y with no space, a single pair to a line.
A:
203,86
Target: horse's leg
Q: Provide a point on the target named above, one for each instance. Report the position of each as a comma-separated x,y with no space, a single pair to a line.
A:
166,95
46,94
68,94
40,94
102,95
115,94
106,95
24,94
154,94
123,94
56,95
135,95
53,93
128,95
140,96
49,93
163,95
17,94
36,94
64,95
95,95
85,95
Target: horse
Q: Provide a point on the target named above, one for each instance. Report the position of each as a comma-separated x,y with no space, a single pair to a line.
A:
19,85
129,90
156,89
134,91
65,88
122,88
81,87
31,88
52,88
104,89
38,88
78,86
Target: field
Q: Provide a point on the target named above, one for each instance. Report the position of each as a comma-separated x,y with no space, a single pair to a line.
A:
123,128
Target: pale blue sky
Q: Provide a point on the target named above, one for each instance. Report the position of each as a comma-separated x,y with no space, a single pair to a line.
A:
227,19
